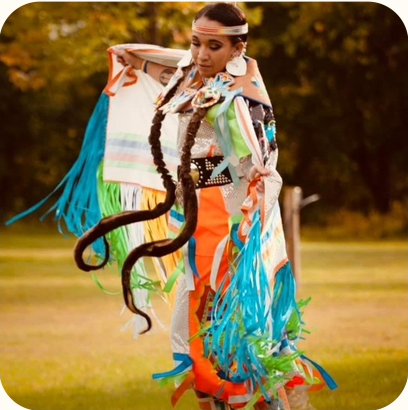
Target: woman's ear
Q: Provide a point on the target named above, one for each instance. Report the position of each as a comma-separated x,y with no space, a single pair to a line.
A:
237,66
239,47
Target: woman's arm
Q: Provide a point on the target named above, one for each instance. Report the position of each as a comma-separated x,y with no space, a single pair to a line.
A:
158,72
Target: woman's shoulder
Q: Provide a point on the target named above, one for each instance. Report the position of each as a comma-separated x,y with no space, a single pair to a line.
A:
252,84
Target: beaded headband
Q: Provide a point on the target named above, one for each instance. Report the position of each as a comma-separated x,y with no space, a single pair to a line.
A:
221,30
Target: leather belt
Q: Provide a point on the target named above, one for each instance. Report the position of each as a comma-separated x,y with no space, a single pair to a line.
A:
202,168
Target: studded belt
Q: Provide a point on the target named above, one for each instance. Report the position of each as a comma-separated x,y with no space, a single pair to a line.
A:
202,168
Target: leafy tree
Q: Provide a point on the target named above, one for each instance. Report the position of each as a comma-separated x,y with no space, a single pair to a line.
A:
53,68
338,75
50,44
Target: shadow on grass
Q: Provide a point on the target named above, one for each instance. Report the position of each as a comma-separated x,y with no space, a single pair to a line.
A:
364,384
136,395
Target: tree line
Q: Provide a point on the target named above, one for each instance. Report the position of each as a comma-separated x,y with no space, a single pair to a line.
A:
336,74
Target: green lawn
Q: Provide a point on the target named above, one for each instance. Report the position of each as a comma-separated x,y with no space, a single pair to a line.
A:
62,347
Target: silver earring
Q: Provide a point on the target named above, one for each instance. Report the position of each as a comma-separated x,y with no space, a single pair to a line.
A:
237,66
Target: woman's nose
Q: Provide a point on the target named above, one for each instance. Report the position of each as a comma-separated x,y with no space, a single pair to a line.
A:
202,53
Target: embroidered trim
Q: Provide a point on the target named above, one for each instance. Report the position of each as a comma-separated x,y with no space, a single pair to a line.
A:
214,89
221,31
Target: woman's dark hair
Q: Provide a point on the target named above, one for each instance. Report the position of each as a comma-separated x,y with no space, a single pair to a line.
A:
156,248
228,15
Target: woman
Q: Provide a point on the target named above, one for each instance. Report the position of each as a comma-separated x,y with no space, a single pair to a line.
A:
235,323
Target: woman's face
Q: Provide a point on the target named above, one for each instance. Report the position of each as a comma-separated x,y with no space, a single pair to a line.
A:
211,53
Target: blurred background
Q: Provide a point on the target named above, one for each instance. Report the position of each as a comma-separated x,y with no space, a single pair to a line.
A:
336,74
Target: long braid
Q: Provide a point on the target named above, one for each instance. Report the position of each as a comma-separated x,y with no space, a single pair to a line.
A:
155,149
112,222
187,183
165,247
154,248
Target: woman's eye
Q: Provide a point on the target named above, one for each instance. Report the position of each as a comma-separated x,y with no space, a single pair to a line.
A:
215,47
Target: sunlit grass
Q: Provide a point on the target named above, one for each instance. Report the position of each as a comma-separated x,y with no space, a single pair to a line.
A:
62,347
358,320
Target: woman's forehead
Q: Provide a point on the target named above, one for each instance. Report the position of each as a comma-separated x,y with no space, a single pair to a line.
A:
205,21
208,38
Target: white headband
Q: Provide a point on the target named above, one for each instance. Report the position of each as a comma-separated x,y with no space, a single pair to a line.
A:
221,30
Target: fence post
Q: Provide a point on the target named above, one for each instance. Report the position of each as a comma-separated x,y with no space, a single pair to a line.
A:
292,199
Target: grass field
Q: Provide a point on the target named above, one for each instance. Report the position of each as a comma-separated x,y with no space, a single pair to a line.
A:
62,347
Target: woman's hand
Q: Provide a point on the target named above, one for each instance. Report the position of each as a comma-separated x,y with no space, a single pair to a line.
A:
125,58
255,172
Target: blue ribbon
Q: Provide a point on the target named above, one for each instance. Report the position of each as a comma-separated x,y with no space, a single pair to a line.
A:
179,357
224,136
78,205
284,302
235,238
191,256
327,378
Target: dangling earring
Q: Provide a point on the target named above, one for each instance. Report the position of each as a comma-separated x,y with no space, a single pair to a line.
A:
237,66
186,60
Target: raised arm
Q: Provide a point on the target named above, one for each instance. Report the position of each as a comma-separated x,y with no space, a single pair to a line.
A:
158,72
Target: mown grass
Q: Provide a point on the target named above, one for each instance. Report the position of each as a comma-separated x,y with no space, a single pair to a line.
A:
61,344
358,319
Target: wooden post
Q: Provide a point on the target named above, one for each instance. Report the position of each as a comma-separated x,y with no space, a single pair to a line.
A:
292,199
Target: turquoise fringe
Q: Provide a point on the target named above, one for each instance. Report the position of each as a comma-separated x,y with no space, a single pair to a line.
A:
78,205
183,361
240,337
284,300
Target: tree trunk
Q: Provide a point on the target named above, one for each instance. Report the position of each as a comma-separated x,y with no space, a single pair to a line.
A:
154,37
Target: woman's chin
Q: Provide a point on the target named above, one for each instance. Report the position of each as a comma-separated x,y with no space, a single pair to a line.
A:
206,72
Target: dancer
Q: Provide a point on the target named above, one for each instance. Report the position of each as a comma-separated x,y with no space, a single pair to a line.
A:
235,323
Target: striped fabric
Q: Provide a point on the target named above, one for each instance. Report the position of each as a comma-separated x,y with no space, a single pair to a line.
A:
131,108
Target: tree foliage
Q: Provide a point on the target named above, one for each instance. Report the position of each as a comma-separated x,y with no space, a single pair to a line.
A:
338,76
336,73
48,44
